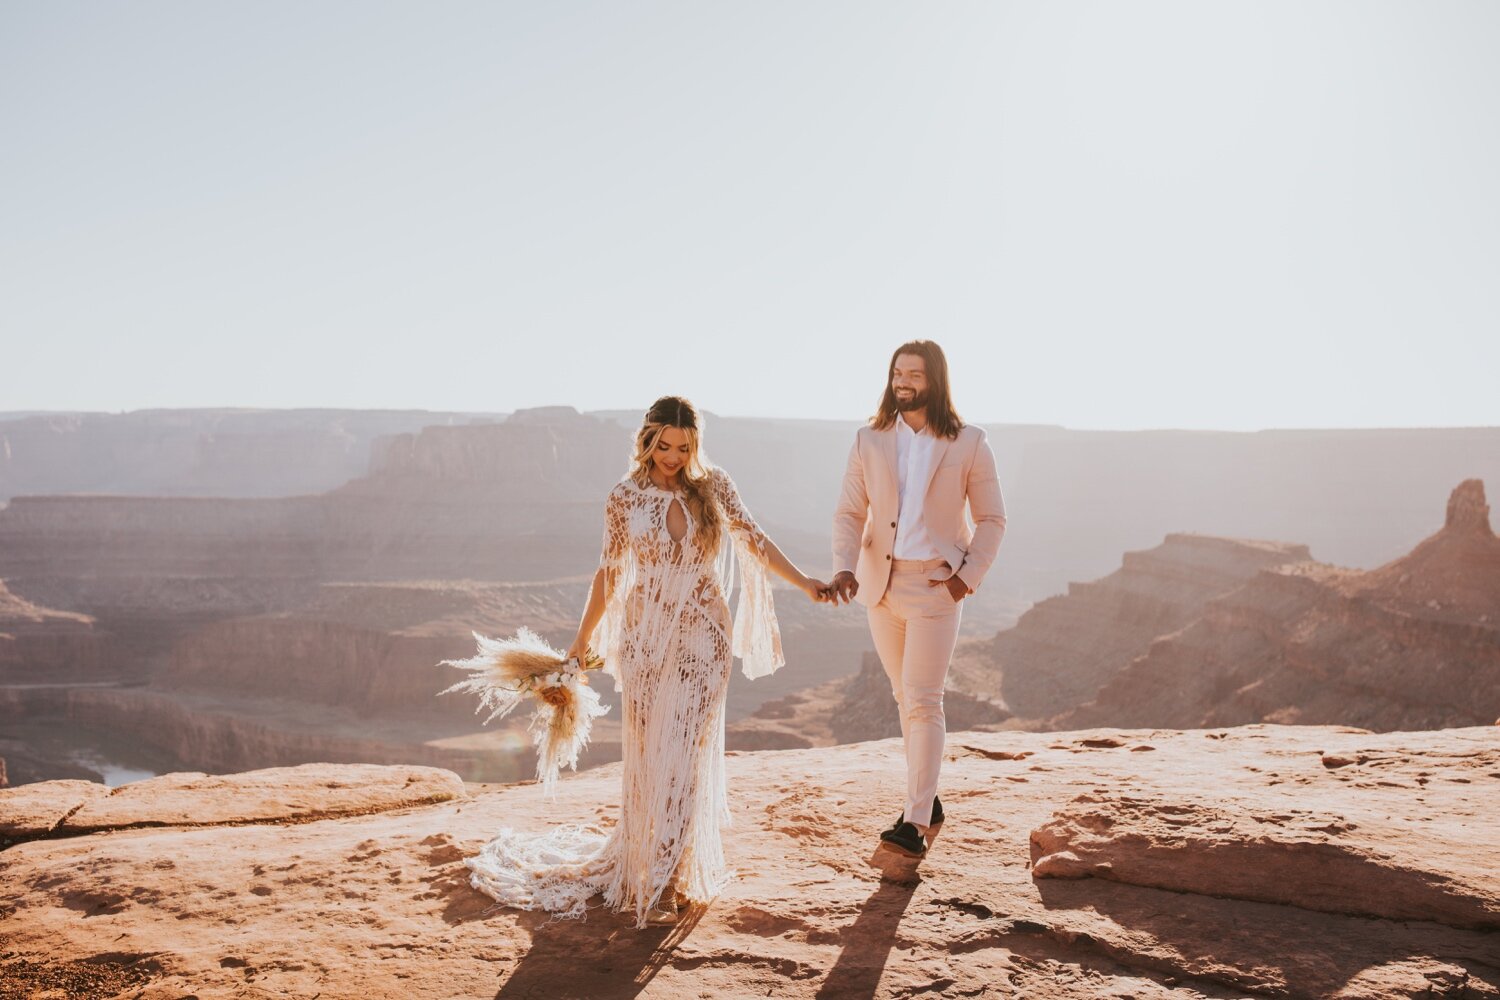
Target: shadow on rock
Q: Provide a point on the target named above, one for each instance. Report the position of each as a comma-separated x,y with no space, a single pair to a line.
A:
867,942
604,956
1271,947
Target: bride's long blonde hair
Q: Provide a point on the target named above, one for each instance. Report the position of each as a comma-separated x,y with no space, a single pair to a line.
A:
674,411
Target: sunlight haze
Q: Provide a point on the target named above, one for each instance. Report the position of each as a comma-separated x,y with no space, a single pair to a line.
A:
1229,216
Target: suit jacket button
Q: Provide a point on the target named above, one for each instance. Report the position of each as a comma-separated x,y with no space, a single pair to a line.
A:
893,524
887,555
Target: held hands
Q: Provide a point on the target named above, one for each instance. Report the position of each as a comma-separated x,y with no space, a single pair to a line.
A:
843,588
816,590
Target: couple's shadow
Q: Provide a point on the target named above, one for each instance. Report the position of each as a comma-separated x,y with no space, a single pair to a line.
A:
606,957
865,945
603,956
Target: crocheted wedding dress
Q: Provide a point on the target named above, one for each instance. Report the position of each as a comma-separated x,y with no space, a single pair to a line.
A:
667,641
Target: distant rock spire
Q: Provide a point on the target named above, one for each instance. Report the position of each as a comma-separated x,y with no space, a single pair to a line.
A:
1467,509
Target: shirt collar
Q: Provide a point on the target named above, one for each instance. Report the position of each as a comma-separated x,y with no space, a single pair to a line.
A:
902,425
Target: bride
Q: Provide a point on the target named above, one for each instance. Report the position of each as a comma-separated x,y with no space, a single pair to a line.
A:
661,597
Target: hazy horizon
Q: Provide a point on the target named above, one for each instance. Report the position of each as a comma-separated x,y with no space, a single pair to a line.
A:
21,414
1161,216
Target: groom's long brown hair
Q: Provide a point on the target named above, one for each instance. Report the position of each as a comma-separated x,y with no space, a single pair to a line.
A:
942,418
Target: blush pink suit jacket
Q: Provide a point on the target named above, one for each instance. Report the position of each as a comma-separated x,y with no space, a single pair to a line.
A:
864,523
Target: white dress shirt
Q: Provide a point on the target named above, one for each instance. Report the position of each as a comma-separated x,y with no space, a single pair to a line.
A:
913,471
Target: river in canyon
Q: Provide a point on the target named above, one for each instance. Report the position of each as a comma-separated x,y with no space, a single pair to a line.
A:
43,749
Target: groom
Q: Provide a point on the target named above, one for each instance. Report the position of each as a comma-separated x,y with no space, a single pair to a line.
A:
903,547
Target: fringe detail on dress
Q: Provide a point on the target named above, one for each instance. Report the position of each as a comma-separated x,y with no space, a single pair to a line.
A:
757,639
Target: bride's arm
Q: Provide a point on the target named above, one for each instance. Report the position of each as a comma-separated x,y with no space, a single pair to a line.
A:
592,612
788,571
777,561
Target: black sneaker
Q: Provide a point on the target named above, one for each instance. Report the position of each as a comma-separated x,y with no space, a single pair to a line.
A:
903,838
937,817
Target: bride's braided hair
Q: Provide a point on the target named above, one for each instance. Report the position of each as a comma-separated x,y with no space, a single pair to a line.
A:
675,411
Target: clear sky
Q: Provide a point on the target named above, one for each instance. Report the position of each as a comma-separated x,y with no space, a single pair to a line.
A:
1112,215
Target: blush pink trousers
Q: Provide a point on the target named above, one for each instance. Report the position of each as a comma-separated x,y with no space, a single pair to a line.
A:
915,627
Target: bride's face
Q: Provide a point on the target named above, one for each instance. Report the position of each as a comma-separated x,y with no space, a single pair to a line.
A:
672,452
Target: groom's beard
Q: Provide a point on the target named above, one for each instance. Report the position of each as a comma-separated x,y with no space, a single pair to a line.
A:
916,401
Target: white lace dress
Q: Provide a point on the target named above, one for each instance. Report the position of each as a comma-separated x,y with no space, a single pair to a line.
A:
667,640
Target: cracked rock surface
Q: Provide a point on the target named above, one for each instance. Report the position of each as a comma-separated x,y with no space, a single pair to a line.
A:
1220,863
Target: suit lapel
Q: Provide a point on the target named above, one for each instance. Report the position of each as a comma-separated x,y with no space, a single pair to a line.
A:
939,449
888,449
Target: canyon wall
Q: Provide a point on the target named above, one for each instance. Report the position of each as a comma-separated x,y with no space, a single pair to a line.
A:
40,644
1414,644
512,501
1356,498
208,452
373,649
1064,648
215,735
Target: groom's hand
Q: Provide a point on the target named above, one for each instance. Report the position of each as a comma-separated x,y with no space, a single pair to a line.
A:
844,587
957,589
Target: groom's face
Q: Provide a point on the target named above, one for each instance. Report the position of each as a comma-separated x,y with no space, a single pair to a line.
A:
909,382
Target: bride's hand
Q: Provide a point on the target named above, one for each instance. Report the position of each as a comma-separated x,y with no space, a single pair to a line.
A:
816,590
579,650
